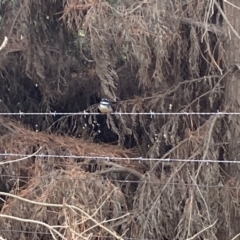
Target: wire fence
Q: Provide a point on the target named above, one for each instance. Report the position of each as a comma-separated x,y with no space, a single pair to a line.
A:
110,158
4,156
151,113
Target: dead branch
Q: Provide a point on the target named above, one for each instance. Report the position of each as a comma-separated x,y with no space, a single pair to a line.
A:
118,168
21,159
210,226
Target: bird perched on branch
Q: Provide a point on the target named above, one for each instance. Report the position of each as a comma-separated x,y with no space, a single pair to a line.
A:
105,106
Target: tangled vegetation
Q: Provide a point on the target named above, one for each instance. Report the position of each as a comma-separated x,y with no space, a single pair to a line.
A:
149,56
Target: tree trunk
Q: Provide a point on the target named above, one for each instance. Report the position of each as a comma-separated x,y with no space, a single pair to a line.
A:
232,20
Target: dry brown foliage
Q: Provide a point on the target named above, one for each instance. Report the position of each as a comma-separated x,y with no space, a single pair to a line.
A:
61,181
151,56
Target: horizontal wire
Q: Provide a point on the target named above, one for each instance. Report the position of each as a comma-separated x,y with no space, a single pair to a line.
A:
47,233
118,113
108,158
93,208
22,231
121,181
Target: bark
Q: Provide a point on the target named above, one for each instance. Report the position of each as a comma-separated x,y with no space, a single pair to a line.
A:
232,19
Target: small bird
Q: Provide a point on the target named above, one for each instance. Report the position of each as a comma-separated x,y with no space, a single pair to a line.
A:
105,106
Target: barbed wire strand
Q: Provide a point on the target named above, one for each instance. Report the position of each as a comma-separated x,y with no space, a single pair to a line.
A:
109,158
117,113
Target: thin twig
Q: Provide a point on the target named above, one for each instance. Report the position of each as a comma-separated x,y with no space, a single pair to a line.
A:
203,230
118,168
236,236
51,228
207,27
226,19
4,43
207,17
159,195
105,221
205,203
21,159
211,90
167,154
95,213
62,206
190,210
231,4
207,143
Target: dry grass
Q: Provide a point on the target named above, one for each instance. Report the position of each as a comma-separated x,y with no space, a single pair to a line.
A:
157,56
